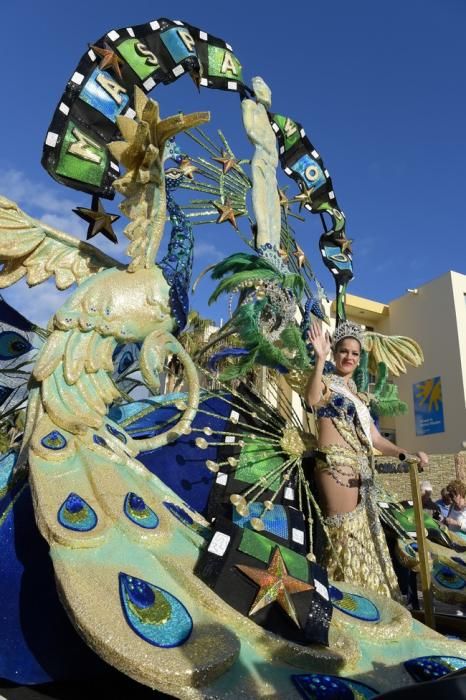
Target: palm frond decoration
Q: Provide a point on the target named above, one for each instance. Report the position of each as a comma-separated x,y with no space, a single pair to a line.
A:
394,351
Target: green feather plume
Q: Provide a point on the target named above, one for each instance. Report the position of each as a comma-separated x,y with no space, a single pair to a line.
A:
232,282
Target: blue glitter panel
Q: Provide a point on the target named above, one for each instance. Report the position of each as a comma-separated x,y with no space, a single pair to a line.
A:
13,345
354,605
139,513
76,514
317,686
54,441
177,48
103,93
275,520
447,578
310,171
427,668
154,614
116,433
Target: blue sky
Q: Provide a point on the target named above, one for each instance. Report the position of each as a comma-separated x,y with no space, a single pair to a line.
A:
378,86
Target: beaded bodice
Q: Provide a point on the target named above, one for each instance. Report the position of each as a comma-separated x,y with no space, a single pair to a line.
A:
347,411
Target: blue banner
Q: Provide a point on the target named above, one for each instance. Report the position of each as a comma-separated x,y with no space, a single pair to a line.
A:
428,407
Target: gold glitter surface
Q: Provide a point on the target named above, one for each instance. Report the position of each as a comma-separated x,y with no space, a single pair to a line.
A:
89,590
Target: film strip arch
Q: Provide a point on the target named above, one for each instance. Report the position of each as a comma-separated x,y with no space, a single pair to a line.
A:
102,88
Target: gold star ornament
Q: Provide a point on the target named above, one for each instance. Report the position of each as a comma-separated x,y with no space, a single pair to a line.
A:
284,201
299,254
345,244
98,219
227,161
305,197
227,213
109,59
275,585
187,168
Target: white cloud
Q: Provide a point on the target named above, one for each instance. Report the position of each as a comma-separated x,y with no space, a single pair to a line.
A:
67,224
16,185
37,304
207,250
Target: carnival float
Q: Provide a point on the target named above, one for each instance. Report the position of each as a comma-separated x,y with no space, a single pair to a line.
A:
176,537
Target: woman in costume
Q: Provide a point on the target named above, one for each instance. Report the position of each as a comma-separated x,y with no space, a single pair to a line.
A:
344,473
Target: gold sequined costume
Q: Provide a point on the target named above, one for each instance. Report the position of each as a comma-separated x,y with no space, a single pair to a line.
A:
357,551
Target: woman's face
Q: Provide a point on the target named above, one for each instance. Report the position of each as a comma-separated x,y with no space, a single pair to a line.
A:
347,355
459,501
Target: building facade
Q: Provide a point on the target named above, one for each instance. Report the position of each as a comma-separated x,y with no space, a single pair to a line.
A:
435,316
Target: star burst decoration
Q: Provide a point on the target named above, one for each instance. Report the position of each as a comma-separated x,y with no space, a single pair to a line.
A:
98,219
275,585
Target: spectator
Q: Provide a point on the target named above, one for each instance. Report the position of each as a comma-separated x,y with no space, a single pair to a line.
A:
428,504
456,518
444,503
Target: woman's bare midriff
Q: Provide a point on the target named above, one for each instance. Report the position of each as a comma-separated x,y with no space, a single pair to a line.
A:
334,497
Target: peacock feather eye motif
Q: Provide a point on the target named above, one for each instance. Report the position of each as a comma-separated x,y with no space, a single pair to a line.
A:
116,433
354,605
100,441
154,614
184,517
427,668
76,514
13,345
139,513
54,441
447,578
317,686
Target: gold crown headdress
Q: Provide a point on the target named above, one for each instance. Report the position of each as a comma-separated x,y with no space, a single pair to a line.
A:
348,330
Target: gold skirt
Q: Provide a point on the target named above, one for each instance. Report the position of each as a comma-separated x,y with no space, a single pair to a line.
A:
358,553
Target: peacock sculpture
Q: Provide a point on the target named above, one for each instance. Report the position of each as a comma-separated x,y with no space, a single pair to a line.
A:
180,528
